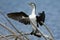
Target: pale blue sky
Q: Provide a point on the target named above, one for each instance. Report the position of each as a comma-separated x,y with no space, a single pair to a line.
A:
51,8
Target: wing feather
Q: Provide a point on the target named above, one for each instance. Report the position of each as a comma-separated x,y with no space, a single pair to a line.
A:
41,17
18,16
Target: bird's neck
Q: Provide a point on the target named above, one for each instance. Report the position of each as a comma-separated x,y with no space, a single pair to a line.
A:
33,11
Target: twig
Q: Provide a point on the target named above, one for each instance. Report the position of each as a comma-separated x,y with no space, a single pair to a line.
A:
10,23
1,36
4,26
48,30
15,35
13,26
9,35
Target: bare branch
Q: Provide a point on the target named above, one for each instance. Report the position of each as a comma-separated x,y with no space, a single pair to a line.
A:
10,30
48,30
1,36
14,26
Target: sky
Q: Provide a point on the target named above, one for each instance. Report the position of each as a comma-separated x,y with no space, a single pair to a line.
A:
51,8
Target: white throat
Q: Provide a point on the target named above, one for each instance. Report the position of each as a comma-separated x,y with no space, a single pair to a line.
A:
33,13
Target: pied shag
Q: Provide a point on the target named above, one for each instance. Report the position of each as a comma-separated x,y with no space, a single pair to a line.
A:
20,16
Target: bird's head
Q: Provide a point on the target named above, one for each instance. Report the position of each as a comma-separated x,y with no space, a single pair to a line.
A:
33,5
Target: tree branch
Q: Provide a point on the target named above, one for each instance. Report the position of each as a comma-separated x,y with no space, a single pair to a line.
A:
14,26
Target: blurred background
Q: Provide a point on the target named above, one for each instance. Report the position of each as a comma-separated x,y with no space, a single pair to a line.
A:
51,8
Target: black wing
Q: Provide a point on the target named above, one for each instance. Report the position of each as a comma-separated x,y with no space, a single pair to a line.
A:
19,17
41,17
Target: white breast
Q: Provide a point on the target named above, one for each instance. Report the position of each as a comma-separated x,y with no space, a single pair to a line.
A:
33,19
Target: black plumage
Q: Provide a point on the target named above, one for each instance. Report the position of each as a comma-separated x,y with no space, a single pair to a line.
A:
41,17
19,16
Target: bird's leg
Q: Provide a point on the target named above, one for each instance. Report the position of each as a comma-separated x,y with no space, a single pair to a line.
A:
32,32
35,33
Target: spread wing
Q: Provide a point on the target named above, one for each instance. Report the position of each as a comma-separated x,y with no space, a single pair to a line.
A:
19,16
41,17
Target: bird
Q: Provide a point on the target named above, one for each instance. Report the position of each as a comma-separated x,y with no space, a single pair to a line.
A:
27,19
